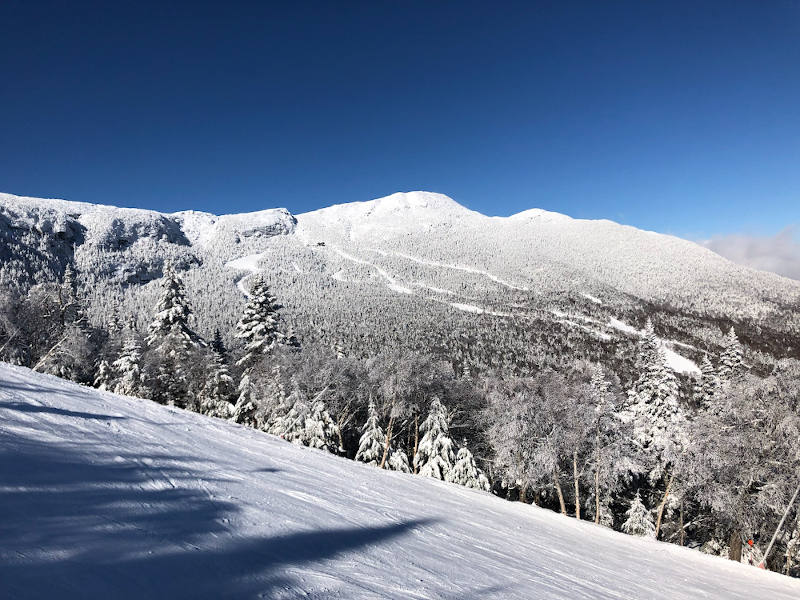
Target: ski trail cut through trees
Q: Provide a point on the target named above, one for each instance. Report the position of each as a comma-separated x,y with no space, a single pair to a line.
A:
391,282
433,263
246,263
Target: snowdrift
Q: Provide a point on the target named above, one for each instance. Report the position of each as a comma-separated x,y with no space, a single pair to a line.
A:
103,496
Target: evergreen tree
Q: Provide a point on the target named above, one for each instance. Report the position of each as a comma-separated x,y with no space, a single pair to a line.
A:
258,326
219,389
173,342
245,411
707,386
648,349
218,346
128,372
320,430
370,445
638,520
465,472
434,456
292,425
258,329
104,377
658,421
398,461
731,367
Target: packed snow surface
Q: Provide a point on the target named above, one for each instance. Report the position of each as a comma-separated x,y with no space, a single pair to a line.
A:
103,496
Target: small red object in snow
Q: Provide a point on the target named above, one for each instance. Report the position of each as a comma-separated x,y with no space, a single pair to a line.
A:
761,565
749,542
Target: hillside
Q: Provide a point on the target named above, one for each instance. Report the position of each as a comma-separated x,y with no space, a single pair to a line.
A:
416,270
107,496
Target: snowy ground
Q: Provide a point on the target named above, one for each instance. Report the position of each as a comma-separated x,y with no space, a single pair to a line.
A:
110,497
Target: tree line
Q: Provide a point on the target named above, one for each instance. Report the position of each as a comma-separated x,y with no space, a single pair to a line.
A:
713,470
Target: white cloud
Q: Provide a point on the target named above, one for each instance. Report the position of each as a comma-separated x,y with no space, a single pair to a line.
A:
779,253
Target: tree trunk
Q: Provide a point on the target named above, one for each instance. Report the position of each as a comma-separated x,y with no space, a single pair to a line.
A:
597,496
577,485
341,439
663,503
735,546
523,494
561,503
416,441
683,532
388,442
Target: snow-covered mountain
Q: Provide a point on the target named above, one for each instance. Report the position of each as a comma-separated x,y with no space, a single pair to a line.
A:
415,269
106,496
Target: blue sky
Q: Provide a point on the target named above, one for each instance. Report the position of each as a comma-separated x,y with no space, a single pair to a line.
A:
682,117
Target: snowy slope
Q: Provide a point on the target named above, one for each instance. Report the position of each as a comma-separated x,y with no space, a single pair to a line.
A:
109,497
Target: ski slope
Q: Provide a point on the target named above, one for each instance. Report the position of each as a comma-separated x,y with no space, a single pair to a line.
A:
103,496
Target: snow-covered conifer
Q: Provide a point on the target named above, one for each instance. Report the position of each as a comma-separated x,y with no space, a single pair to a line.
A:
658,421
435,455
258,326
219,389
466,472
638,520
172,341
320,430
370,445
398,461
128,371
292,425
708,384
730,360
104,376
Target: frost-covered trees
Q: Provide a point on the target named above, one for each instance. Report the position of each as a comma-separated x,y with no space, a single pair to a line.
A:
655,412
398,461
129,378
731,366
708,384
104,376
466,472
172,342
292,425
370,445
638,520
609,456
743,455
258,326
217,395
320,430
257,329
435,455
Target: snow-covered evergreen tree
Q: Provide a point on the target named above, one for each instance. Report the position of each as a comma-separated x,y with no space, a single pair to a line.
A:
128,371
292,425
218,346
216,397
370,445
435,455
172,341
320,430
708,384
258,330
258,326
730,360
104,376
466,472
638,520
658,421
398,461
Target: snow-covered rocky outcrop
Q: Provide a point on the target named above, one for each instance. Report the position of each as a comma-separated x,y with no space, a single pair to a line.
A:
103,496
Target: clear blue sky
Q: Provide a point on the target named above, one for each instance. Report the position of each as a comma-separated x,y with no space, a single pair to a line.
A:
682,117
